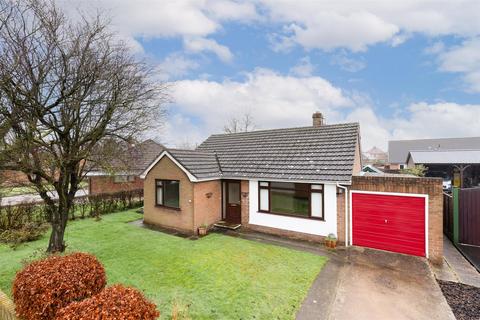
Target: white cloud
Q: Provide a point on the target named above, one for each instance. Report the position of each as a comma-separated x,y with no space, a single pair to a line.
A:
202,107
464,59
202,44
175,66
274,101
304,68
193,19
436,120
355,25
346,63
435,48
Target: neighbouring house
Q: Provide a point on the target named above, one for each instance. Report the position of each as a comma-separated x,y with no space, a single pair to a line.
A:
456,160
13,178
124,175
459,168
295,182
375,156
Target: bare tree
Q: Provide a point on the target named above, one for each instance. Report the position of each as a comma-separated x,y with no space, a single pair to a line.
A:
244,123
66,88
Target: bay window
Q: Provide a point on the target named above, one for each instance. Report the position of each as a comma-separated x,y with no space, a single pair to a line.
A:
288,198
167,193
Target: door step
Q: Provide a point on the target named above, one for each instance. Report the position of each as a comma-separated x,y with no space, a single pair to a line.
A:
227,225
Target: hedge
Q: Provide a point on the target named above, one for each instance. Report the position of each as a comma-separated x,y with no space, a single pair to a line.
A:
113,303
45,286
15,217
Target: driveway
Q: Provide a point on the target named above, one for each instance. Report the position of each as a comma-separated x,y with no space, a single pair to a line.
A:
370,284
35,197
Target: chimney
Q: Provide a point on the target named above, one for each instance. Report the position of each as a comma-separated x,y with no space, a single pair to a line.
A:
318,120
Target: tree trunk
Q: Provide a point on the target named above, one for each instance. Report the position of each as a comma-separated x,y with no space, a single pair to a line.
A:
56,243
59,223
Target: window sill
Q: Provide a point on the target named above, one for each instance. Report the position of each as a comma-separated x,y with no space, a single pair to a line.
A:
291,215
167,207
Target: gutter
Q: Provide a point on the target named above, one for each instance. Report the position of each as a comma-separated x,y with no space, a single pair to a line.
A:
345,189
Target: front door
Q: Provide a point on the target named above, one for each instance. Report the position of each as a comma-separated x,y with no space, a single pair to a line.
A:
233,207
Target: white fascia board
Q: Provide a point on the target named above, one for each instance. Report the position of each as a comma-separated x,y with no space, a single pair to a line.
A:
282,180
165,153
109,174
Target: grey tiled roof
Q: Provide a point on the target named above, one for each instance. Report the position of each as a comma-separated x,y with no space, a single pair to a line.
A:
398,149
143,154
446,157
134,159
201,164
323,153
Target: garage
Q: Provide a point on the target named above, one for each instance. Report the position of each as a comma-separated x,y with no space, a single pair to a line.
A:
390,221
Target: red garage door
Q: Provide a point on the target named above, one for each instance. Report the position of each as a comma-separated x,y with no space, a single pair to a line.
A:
389,222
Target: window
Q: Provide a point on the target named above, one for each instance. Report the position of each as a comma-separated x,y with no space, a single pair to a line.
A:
123,179
288,198
167,193
402,166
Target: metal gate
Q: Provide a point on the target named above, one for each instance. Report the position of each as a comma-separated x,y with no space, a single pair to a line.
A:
469,216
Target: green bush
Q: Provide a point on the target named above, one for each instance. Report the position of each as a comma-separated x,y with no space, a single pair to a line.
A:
26,222
28,232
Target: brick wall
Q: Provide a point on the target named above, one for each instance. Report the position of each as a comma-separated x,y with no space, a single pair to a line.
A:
207,201
182,219
13,178
430,186
341,217
245,203
106,184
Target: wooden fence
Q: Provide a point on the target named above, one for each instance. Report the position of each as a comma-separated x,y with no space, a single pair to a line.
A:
461,216
469,216
448,215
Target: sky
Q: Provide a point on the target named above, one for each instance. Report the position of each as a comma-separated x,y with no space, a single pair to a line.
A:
402,69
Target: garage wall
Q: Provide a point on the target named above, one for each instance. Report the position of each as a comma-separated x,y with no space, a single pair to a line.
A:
430,186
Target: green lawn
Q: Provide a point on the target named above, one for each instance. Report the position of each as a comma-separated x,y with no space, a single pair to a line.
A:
217,277
19,190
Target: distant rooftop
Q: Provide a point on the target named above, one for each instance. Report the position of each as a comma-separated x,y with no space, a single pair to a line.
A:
398,149
446,157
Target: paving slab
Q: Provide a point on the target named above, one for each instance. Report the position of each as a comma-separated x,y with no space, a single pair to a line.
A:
381,285
456,268
472,253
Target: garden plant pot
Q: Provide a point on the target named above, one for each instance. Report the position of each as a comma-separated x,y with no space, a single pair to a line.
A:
202,231
327,243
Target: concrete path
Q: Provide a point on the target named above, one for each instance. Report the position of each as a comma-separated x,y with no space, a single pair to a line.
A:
455,267
366,284
373,285
31,198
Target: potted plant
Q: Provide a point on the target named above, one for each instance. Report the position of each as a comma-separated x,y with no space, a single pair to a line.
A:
202,230
332,241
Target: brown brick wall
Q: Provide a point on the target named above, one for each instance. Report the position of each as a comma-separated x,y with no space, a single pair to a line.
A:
357,163
286,233
430,186
207,201
106,184
176,219
341,217
13,178
244,190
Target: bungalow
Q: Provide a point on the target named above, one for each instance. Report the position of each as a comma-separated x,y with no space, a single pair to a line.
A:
289,182
123,174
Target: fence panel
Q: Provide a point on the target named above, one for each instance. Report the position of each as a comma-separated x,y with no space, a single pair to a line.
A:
469,216
448,215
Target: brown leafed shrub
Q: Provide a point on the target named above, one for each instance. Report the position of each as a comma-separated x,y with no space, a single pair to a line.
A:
43,287
113,303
